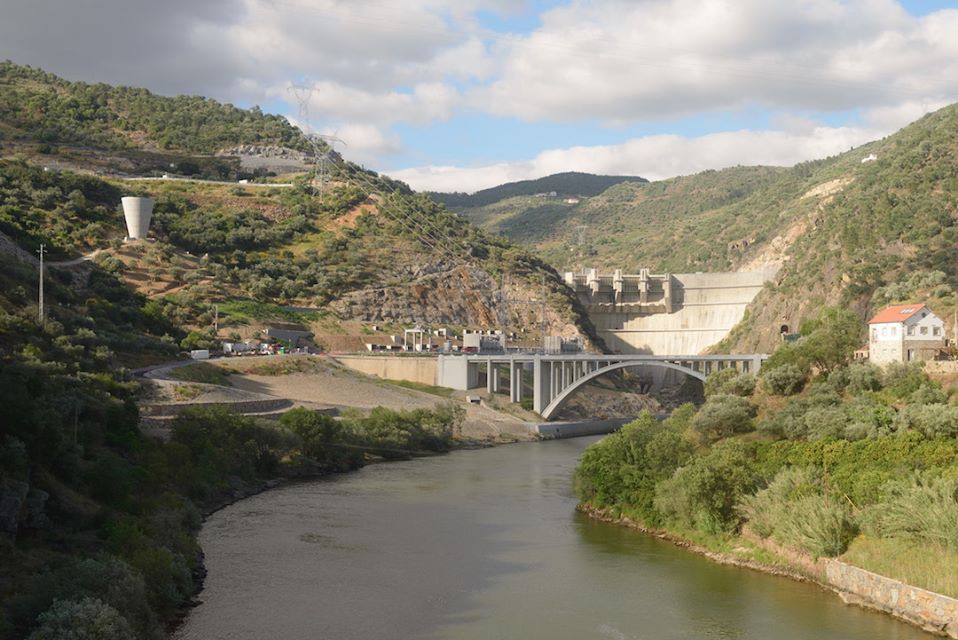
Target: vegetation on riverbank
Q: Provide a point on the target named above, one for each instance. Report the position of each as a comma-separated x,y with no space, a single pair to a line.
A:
98,521
816,453
128,553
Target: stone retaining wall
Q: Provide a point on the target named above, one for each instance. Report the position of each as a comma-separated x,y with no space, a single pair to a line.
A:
932,611
941,366
243,406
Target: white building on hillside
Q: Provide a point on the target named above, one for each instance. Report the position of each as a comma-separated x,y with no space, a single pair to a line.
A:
905,333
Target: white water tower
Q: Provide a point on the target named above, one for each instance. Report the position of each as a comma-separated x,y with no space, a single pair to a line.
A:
138,213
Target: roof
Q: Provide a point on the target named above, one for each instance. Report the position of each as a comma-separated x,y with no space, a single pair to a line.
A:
897,313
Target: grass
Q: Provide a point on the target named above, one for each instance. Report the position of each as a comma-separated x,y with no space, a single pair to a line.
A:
203,372
425,388
185,392
244,311
285,366
922,565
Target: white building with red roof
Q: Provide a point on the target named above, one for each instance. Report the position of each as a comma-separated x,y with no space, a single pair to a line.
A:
905,333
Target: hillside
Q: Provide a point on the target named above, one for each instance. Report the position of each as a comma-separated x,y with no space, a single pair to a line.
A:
570,183
76,125
843,229
366,251
98,519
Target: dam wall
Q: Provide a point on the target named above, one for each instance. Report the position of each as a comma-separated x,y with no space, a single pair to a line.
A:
666,314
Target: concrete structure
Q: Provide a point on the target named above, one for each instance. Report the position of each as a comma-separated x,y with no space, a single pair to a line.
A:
905,333
412,339
410,368
666,313
293,337
556,377
558,344
482,342
138,213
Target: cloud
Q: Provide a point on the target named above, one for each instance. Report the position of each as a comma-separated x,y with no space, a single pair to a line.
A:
382,63
653,157
367,143
620,61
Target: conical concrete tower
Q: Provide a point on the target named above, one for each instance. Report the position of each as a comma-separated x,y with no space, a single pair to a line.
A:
138,213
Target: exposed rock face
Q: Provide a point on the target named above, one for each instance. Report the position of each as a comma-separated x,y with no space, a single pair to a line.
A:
263,151
267,157
465,295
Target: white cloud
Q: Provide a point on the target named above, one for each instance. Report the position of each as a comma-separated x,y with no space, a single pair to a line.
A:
652,157
366,143
623,61
382,63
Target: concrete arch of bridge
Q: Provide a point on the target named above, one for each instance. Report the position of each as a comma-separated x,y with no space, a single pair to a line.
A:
557,402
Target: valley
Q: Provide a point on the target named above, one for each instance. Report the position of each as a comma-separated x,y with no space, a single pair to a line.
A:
733,318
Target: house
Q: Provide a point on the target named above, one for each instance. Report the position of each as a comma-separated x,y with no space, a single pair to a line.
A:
905,333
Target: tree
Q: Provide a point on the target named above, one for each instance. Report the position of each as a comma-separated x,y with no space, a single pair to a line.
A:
723,415
87,619
830,340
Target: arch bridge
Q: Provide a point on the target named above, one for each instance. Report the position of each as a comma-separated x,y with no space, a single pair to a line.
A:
556,377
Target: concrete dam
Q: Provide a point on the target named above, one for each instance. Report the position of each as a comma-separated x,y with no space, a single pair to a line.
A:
662,314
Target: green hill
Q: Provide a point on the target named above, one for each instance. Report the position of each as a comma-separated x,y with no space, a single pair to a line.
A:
39,106
846,231
570,183
98,519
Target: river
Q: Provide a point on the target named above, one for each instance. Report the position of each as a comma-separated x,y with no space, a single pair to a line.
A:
482,544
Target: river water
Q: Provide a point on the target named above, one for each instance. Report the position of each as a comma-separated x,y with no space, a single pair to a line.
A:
482,544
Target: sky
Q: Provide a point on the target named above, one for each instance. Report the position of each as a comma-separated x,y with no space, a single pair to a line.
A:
460,95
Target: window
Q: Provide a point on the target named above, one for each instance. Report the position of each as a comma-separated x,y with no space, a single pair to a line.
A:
874,334
923,331
884,332
936,331
911,331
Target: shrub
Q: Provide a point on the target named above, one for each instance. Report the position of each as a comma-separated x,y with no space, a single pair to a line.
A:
325,440
863,377
783,380
921,508
87,619
929,392
765,509
722,416
703,494
903,379
623,468
931,420
825,423
796,512
730,382
818,524
105,578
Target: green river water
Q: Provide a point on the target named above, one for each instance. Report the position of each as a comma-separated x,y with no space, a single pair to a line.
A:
482,544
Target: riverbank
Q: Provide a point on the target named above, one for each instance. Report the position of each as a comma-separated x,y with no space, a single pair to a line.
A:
931,612
245,491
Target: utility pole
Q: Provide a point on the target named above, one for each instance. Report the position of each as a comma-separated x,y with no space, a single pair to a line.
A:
503,311
42,250
542,313
216,319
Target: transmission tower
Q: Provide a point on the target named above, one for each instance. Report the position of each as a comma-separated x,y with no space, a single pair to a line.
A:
323,146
